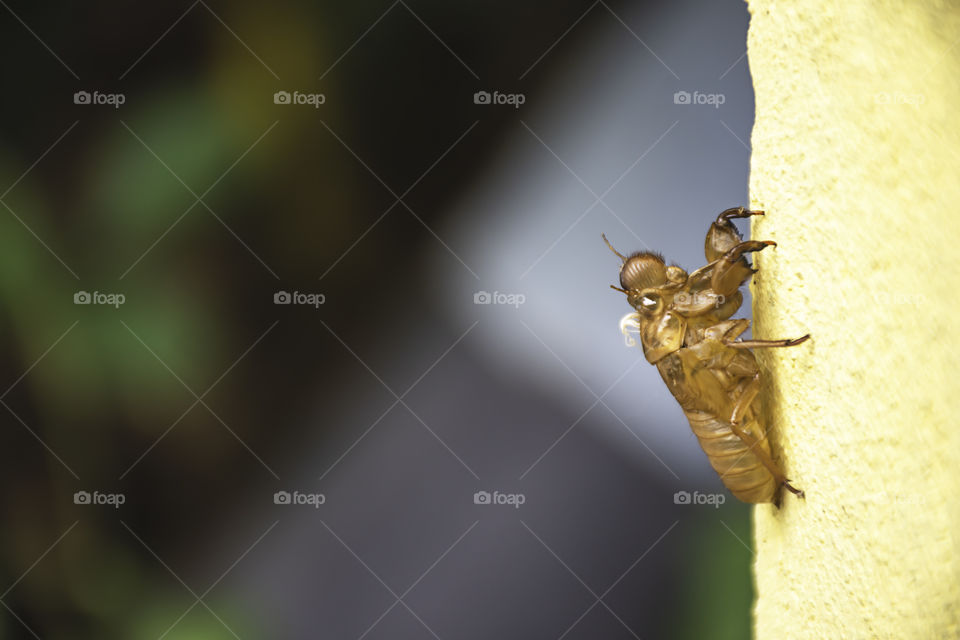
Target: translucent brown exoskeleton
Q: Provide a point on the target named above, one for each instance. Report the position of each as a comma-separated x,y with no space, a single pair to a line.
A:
685,330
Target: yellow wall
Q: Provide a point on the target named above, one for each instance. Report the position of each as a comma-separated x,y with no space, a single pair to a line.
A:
856,159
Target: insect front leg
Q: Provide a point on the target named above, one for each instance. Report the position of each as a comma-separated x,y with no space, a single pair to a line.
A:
747,396
737,212
722,235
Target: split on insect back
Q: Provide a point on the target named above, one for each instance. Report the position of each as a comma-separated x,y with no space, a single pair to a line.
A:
685,329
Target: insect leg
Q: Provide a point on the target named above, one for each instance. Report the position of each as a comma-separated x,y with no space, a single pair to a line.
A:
754,444
762,455
727,330
723,235
792,489
732,270
737,212
739,409
745,399
747,246
750,344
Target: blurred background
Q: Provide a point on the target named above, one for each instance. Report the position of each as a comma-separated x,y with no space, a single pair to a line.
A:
307,329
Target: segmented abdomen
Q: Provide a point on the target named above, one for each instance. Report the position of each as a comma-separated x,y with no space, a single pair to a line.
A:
740,469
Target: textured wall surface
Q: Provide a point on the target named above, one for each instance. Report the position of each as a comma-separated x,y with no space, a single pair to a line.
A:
856,159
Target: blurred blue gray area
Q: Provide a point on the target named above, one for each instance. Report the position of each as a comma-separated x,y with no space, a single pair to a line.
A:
366,379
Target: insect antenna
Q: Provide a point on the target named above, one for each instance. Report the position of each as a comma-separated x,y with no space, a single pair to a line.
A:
615,288
621,256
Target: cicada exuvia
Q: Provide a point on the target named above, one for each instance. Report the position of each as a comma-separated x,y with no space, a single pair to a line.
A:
685,328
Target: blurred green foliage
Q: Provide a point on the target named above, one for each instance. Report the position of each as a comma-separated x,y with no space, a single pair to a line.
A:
715,576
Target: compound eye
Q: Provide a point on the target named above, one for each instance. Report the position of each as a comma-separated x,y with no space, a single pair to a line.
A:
649,302
643,271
